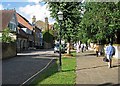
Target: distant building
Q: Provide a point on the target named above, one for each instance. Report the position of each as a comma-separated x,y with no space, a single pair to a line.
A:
25,37
43,26
38,38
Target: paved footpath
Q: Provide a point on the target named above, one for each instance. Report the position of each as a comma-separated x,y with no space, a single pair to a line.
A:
92,70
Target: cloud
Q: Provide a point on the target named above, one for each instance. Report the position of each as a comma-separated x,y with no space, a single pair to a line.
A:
8,4
51,21
37,10
36,1
1,7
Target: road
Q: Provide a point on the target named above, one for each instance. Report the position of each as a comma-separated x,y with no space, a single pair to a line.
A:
18,69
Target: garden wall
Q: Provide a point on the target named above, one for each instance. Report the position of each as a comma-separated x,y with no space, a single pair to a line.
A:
8,50
117,51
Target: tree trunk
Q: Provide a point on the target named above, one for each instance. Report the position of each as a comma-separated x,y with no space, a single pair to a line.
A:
68,48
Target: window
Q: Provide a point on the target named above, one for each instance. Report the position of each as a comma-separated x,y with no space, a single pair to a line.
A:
29,31
12,25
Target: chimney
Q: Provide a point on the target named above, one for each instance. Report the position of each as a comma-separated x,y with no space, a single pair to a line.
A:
33,20
46,23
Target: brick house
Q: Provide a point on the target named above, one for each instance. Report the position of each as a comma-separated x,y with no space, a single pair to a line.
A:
25,34
22,40
9,20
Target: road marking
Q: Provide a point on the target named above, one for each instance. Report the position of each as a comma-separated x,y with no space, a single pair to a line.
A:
36,73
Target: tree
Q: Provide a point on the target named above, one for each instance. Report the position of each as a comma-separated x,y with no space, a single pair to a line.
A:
70,23
100,20
5,35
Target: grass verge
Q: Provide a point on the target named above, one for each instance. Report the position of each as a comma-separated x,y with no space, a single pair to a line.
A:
52,76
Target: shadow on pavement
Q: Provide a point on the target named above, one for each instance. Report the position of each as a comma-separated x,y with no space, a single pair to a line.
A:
108,84
92,67
90,54
116,66
89,68
68,70
98,67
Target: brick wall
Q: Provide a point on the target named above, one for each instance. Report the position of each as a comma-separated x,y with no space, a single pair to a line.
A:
47,45
8,50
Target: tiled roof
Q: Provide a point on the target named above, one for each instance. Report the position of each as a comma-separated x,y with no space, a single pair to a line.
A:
6,17
23,21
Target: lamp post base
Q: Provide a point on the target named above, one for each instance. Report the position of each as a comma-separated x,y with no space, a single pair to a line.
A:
59,68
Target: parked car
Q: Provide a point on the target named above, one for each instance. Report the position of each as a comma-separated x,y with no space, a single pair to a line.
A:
56,48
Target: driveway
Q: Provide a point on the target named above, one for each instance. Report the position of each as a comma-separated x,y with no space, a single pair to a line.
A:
18,69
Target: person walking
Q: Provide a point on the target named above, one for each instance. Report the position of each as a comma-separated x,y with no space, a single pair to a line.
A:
82,47
97,49
110,51
78,48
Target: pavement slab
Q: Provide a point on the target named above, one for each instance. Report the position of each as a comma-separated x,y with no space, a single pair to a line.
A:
93,71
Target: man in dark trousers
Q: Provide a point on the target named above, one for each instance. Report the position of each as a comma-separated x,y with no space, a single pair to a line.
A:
110,50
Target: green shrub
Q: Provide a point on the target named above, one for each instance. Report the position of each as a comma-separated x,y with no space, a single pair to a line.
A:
48,36
5,35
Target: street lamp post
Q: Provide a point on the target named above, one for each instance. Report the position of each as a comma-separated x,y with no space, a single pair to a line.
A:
34,35
60,17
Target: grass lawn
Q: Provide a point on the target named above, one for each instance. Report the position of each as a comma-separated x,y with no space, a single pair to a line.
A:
53,76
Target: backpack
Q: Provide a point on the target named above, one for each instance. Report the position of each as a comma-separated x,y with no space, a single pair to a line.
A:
113,51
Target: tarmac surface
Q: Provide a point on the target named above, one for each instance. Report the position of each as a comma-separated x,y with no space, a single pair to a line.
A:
91,70
18,69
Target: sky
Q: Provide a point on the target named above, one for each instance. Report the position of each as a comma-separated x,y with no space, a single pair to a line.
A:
28,9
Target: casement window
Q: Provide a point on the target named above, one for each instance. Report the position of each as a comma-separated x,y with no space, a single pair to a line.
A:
12,24
28,31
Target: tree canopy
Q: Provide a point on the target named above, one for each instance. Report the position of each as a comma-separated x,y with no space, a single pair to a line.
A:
100,20
71,15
